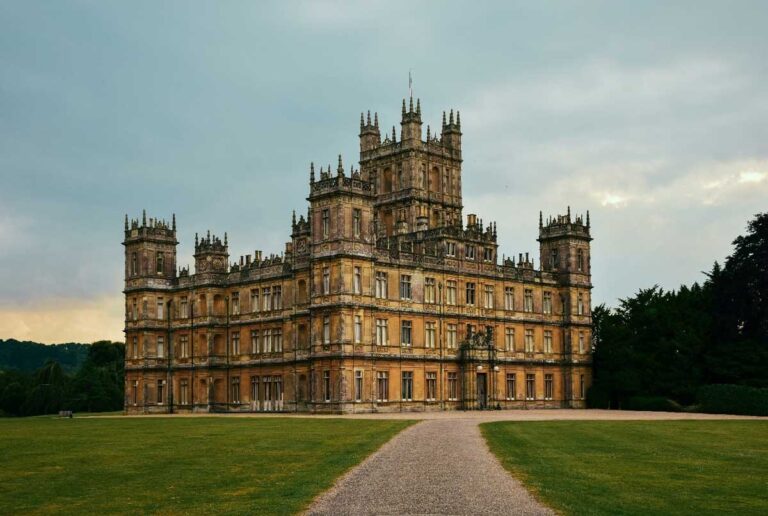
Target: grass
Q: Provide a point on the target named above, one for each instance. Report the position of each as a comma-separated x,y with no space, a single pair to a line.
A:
633,467
174,466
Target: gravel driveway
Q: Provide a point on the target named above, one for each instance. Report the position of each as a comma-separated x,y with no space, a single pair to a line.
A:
438,466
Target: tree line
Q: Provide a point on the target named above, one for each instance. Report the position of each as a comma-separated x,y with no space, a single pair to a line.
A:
95,386
671,349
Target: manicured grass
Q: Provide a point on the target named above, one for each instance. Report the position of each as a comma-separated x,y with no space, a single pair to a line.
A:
199,465
633,467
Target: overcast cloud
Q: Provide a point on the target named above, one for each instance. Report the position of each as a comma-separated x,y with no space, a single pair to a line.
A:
652,116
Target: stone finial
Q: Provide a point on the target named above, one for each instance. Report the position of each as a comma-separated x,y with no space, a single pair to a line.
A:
427,134
587,219
225,239
312,172
126,222
403,107
443,118
362,124
340,168
450,119
196,240
569,214
143,217
410,106
293,218
458,119
173,219
418,107
394,135
376,120
541,220
369,117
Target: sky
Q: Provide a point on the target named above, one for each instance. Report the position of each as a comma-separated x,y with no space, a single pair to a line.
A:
651,115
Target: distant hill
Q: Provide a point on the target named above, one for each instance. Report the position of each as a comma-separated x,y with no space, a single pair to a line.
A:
30,356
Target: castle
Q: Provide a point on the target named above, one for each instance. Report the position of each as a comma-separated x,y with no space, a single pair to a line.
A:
384,300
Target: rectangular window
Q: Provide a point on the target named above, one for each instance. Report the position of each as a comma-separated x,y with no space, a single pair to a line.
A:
470,254
580,260
267,343
511,388
326,329
254,341
356,224
184,309
546,305
184,392
278,383
267,382
470,296
184,345
529,342
407,389
235,303
429,335
266,298
327,386
326,280
160,308
547,341
528,301
160,261
405,333
254,388
488,254
382,339
236,389
358,385
582,387
144,309
277,297
160,391
431,386
326,222
254,300
160,347
135,311
405,287
134,265
450,249
548,386
235,337
453,387
135,394
357,281
358,331
277,340
429,290
581,342
451,336
580,304
488,300
530,387
450,292
509,339
553,259
382,386
381,285
135,347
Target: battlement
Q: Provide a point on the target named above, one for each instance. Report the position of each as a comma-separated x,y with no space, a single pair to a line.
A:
329,183
210,244
150,228
564,225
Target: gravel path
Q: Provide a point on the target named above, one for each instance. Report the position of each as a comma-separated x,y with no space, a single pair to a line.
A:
434,467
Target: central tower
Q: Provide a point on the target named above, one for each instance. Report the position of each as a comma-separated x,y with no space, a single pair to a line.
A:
417,183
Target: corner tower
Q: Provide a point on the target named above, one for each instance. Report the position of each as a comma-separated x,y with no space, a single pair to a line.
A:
150,252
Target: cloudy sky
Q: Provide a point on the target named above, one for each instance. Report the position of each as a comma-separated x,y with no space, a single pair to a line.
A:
653,116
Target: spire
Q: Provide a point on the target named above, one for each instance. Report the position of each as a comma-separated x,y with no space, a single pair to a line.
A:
587,219
427,134
569,214
394,136
126,222
369,117
225,239
174,222
143,217
458,119
450,120
418,107
312,172
340,168
410,105
196,240
362,124
541,220
376,120
443,118
403,107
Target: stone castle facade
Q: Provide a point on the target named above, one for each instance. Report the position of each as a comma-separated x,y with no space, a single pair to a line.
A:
384,300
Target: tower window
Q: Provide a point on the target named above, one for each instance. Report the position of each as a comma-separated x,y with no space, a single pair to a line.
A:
326,222
553,259
356,224
160,261
134,264
580,260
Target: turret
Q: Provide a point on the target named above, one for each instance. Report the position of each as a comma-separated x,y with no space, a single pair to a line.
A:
451,134
211,254
564,245
150,250
369,132
411,123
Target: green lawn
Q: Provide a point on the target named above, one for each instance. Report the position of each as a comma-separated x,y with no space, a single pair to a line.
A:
199,465
633,467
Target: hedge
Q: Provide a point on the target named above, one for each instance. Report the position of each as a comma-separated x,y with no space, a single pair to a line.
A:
654,403
733,399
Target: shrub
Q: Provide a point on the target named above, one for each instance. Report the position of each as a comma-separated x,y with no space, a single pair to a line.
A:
598,396
654,403
733,399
